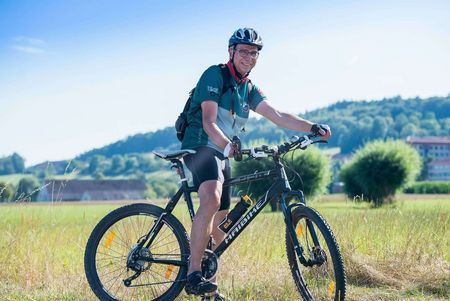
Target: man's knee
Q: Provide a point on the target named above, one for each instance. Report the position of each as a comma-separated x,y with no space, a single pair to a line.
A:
209,194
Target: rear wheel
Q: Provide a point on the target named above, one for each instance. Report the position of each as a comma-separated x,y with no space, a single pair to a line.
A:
325,279
115,239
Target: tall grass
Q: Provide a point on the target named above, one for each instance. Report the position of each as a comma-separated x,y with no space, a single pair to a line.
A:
400,252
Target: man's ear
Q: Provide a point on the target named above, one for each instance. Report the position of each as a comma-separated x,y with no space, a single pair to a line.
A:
230,52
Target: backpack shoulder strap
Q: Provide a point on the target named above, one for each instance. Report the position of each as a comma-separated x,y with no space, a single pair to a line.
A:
226,76
189,100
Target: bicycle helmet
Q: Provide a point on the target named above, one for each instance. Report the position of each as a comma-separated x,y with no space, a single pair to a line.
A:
247,36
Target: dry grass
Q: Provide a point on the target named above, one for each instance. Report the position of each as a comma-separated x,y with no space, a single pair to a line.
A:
400,252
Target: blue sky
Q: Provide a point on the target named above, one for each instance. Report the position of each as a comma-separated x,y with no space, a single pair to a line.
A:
75,75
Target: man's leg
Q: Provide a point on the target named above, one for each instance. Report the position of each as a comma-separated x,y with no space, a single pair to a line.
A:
218,234
209,194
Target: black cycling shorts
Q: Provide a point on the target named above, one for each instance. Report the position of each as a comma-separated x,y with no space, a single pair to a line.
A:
209,164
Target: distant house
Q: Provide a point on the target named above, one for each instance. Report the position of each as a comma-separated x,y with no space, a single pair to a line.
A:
439,170
87,190
437,150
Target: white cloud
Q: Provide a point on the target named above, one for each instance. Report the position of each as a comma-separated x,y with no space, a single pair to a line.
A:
29,40
28,49
29,45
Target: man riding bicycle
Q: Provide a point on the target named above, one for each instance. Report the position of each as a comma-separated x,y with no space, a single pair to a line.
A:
214,117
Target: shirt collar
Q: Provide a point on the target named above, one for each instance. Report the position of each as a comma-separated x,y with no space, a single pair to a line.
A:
237,77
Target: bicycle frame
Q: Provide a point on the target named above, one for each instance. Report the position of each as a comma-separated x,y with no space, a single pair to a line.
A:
279,190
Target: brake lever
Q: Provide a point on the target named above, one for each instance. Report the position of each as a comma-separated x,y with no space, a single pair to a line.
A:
314,142
257,155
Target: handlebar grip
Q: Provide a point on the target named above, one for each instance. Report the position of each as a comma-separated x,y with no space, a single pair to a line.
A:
236,145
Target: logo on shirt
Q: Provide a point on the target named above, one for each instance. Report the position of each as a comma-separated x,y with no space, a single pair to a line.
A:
213,91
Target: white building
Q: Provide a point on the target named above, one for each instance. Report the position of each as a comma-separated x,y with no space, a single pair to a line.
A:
437,149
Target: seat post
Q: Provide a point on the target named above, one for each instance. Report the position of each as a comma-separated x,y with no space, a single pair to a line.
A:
178,165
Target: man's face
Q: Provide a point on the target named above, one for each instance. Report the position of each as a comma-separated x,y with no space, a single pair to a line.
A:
245,57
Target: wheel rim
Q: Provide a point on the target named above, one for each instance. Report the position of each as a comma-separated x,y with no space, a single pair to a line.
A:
114,248
320,279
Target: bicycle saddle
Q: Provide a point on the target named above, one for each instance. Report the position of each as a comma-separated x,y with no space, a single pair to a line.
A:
174,155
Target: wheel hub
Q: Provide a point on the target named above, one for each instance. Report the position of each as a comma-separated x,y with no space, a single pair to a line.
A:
133,261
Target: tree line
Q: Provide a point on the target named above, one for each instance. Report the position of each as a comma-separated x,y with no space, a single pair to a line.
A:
12,164
353,123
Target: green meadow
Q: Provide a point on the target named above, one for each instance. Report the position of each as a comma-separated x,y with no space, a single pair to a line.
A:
398,252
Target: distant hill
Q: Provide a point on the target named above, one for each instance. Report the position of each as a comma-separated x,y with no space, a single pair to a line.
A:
352,123
140,143
356,122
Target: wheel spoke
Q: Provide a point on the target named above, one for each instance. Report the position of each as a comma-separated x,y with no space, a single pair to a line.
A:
119,238
320,281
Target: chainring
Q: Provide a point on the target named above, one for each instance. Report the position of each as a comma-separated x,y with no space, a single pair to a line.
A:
210,265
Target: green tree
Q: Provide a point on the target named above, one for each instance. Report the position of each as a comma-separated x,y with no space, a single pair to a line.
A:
379,169
314,169
6,166
117,165
6,192
12,164
431,125
379,128
163,187
98,175
150,193
27,189
131,164
408,130
95,164
18,163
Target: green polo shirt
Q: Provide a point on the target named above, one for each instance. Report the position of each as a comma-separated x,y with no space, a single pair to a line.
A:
209,87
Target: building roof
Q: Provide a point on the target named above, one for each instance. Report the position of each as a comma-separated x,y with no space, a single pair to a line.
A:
93,189
96,185
428,140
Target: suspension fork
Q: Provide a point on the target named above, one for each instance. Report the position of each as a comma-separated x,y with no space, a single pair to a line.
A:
287,211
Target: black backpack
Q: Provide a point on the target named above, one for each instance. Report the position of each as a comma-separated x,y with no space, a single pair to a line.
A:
182,123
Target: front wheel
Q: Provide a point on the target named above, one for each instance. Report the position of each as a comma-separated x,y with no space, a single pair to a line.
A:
115,239
323,278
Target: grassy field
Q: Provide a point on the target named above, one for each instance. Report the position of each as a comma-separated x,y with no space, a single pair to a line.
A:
399,252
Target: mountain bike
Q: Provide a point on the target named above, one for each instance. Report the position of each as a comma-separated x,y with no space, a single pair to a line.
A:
141,251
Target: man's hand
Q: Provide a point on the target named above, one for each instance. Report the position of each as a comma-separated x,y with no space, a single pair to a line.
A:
228,151
323,130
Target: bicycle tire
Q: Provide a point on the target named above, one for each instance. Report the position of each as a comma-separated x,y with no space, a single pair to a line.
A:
115,235
318,282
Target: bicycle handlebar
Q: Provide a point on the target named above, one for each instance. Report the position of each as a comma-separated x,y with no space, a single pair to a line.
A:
265,151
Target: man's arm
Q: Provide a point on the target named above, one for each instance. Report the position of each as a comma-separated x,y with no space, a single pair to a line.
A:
287,120
209,118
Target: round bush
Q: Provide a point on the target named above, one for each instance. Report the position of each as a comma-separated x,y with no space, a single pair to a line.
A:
379,169
27,189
